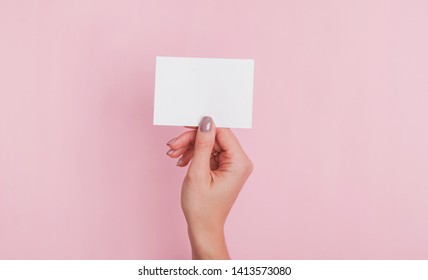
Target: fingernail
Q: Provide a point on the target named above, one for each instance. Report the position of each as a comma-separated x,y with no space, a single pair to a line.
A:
170,152
180,161
206,124
171,141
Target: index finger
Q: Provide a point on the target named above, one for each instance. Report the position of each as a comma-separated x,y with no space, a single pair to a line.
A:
227,140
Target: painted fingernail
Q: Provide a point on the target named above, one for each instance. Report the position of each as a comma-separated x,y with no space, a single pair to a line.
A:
170,152
206,124
171,141
180,161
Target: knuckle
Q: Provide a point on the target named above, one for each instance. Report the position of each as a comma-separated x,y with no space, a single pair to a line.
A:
203,144
250,166
246,167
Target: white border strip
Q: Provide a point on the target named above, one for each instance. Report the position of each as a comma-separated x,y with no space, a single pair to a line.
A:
133,269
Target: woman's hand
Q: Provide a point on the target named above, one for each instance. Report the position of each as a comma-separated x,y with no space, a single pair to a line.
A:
217,172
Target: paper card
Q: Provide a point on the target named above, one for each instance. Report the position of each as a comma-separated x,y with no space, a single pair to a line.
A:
186,89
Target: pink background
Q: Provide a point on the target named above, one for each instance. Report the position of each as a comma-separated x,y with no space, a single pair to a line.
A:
339,138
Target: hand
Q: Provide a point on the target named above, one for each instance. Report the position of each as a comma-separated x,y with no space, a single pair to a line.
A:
218,170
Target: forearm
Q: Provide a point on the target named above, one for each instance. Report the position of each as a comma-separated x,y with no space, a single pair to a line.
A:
208,244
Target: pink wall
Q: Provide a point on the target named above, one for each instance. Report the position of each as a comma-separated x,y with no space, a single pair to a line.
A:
339,138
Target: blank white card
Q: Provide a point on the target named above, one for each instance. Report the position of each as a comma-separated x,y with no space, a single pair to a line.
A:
186,89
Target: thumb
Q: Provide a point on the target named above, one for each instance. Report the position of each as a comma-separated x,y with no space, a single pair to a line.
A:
204,143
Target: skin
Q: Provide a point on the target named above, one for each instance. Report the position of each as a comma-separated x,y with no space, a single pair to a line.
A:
218,169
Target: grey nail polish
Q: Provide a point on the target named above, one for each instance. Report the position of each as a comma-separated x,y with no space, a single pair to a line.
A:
171,141
206,124
170,152
180,160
